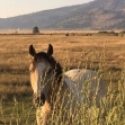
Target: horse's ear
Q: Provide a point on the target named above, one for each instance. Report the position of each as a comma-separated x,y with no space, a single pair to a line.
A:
32,50
50,50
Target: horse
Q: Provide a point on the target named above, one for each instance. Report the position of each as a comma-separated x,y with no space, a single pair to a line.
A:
51,85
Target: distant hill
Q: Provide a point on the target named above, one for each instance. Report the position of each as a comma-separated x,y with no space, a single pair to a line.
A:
98,14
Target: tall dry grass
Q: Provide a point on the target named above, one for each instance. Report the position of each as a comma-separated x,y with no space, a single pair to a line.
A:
106,54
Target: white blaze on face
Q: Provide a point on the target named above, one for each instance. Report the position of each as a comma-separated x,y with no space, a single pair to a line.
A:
37,76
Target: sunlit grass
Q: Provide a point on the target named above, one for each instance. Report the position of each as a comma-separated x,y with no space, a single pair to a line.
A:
105,54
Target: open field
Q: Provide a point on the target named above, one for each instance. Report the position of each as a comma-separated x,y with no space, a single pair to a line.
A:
103,53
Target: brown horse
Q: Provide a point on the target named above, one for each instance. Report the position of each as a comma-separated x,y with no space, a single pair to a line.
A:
51,86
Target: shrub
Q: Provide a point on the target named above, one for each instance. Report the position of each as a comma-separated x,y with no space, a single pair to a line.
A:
36,30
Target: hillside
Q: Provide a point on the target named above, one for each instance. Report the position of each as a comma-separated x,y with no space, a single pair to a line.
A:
98,14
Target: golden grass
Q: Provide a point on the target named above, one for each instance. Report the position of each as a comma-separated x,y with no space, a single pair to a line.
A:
94,52
103,53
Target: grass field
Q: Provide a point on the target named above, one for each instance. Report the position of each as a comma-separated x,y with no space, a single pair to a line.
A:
103,53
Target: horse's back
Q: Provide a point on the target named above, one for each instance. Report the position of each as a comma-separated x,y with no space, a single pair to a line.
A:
77,78
80,75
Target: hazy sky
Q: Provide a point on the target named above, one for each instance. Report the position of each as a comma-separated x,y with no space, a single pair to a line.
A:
9,8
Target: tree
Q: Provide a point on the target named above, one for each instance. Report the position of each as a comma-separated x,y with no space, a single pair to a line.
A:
36,30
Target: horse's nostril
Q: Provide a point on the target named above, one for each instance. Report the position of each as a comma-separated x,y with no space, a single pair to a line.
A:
43,98
39,101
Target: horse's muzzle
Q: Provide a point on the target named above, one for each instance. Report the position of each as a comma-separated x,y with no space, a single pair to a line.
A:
39,101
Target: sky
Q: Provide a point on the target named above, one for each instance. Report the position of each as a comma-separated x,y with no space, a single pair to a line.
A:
10,8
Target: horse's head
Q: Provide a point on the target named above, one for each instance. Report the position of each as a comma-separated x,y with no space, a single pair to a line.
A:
43,70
